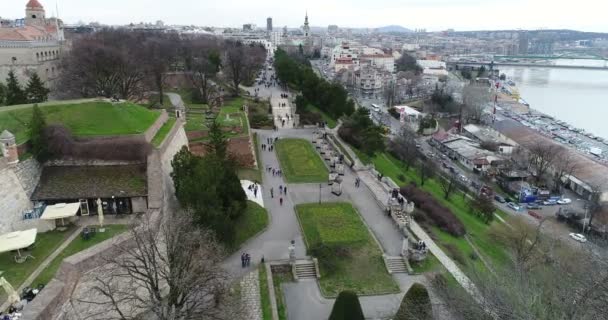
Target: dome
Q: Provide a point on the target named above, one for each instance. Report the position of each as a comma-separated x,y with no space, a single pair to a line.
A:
34,4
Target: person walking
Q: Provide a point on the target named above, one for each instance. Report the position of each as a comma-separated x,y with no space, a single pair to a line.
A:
242,260
281,201
280,189
271,192
285,190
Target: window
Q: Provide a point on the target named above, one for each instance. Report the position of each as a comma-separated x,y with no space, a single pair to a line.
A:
33,16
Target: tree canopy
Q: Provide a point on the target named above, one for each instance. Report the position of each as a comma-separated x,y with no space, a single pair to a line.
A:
347,307
14,92
36,91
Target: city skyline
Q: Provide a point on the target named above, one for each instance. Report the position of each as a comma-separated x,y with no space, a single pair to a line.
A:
433,15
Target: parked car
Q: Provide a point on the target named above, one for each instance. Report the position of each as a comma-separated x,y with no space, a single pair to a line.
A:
535,214
549,202
499,199
578,237
564,201
534,206
513,206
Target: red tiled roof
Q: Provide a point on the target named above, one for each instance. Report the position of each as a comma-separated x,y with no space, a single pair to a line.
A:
34,4
27,33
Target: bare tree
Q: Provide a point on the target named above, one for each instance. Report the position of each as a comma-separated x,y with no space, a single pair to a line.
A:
475,100
546,280
202,62
565,165
542,156
426,170
403,146
449,184
160,51
106,63
241,62
172,272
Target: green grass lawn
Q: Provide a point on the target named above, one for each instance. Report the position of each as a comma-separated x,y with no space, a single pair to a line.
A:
357,265
254,220
77,245
46,243
277,279
476,229
196,122
429,264
83,119
300,162
162,132
264,294
331,122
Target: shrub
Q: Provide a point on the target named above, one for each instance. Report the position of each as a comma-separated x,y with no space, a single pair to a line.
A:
347,307
416,304
312,118
441,216
455,253
401,177
259,121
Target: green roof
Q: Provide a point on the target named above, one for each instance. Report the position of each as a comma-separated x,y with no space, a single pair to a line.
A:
86,182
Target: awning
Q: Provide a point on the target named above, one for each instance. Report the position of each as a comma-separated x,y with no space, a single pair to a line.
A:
60,211
17,240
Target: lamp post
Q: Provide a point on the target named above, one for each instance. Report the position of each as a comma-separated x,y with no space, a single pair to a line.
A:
320,186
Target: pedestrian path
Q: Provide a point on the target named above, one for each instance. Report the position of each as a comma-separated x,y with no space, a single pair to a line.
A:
250,296
283,113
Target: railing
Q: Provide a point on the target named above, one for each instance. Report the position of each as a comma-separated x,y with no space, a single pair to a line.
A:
34,213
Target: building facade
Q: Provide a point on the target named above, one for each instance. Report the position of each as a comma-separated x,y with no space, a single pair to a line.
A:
34,44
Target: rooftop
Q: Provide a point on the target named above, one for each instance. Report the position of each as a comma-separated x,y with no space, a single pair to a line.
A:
85,182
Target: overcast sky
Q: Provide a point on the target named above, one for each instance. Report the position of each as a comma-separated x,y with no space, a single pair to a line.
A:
434,15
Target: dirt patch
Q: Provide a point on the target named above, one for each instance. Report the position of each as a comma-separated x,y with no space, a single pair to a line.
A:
239,147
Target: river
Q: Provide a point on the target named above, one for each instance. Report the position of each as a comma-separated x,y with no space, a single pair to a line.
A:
577,96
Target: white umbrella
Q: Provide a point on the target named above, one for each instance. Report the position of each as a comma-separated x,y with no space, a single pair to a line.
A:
100,214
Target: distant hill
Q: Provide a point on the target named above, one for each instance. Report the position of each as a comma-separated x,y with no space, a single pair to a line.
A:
393,28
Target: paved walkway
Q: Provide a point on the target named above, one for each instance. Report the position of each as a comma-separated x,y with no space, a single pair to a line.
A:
283,227
250,286
283,112
257,197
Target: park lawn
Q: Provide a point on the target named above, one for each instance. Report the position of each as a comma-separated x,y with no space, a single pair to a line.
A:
162,132
77,245
253,220
83,119
264,294
359,266
46,243
300,162
196,122
476,229
331,122
430,264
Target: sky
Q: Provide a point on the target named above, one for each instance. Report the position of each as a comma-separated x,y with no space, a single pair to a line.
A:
433,15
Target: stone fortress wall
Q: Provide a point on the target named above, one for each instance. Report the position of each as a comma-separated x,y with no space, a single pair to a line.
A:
17,182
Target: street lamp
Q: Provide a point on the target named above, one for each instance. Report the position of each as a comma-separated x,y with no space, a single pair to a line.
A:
320,186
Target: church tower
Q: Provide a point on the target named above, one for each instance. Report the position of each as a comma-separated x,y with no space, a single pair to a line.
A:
34,14
306,27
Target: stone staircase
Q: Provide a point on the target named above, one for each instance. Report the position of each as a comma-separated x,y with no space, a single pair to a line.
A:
306,270
395,264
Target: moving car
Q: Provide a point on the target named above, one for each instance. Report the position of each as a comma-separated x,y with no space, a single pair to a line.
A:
513,206
499,199
578,237
534,206
564,201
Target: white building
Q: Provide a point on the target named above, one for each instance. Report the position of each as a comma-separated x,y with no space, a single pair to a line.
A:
381,61
433,68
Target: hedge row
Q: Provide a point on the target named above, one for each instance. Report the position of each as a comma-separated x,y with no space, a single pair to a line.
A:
441,216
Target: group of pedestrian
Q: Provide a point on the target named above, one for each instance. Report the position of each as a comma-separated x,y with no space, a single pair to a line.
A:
275,172
284,95
267,147
282,105
254,188
357,182
245,260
